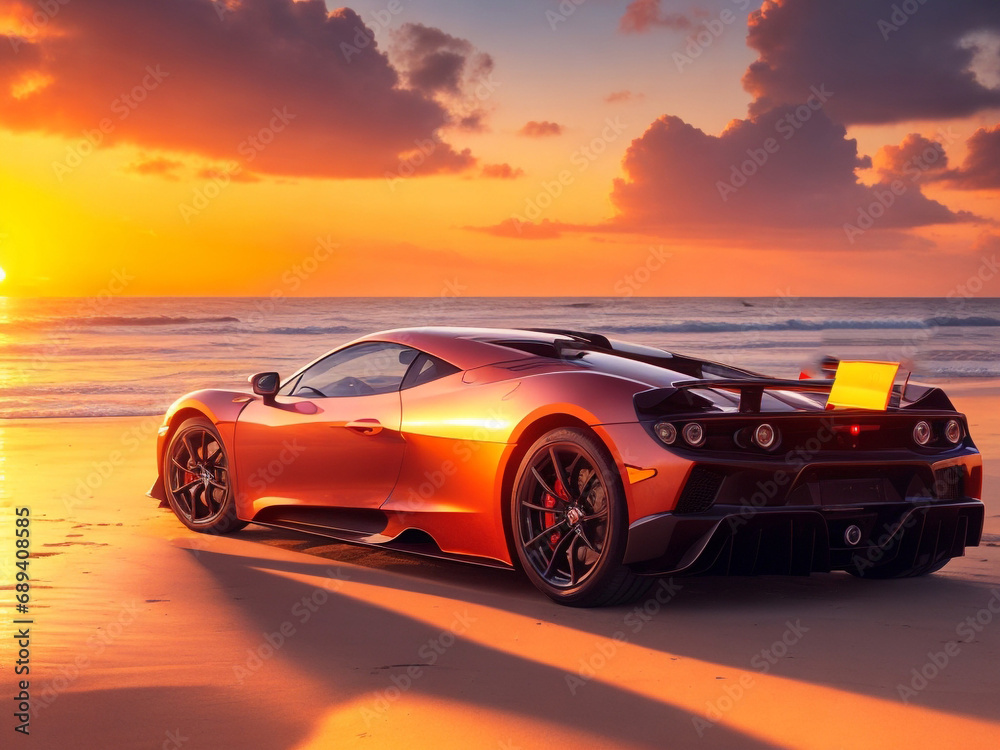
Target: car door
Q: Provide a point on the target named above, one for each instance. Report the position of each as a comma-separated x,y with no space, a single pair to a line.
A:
331,437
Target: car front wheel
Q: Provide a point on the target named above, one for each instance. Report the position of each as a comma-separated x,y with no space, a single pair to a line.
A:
196,479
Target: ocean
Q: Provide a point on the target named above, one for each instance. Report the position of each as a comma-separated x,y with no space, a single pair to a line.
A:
133,356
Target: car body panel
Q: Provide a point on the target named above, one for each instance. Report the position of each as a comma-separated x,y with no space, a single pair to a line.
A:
323,452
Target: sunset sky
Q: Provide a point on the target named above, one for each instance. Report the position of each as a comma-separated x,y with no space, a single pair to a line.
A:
428,147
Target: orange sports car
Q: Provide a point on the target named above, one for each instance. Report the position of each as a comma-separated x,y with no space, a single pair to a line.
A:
594,465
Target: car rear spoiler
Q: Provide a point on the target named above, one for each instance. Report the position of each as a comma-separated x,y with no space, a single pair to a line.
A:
751,390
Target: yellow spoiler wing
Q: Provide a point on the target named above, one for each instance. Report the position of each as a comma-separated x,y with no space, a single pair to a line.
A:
861,384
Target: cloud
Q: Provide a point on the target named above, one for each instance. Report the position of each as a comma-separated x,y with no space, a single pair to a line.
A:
185,77
916,157
224,174
643,15
523,230
884,62
540,129
921,158
446,68
981,168
162,167
436,62
501,171
777,171
618,97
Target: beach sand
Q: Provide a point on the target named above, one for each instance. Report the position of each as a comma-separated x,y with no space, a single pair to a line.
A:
146,635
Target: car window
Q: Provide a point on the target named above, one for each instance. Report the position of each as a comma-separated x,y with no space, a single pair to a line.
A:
426,368
360,370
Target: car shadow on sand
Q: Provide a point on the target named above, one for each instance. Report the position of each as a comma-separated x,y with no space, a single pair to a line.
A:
858,636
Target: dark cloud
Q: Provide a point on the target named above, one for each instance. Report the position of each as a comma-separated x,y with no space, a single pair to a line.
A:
288,86
224,174
523,230
166,168
436,62
446,68
619,97
540,129
981,168
780,170
501,171
885,62
643,15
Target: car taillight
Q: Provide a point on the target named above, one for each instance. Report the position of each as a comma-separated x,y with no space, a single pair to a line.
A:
766,436
922,433
953,431
693,434
666,432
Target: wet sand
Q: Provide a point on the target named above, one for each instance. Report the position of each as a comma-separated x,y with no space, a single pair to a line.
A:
146,635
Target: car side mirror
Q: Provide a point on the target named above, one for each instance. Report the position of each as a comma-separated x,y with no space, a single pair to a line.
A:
266,384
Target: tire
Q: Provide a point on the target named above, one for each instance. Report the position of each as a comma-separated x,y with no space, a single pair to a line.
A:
197,481
569,522
887,572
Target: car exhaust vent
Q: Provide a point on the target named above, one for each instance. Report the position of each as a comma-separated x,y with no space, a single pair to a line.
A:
949,483
700,491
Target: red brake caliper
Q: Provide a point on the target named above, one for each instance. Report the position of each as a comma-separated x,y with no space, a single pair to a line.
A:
550,518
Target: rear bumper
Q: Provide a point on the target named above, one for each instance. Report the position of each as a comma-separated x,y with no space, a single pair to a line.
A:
744,540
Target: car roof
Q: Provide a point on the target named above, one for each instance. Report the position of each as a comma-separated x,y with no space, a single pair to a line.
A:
466,347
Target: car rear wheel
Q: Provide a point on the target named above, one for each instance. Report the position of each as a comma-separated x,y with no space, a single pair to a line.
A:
570,523
196,478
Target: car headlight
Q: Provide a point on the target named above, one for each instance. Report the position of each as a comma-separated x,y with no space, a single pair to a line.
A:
694,434
922,433
666,432
766,436
953,431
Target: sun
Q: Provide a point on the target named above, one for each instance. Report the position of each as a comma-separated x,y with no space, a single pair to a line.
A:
3,275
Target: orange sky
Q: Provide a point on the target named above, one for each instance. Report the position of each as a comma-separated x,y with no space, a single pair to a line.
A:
150,211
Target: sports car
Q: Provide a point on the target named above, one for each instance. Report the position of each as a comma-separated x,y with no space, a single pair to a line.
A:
592,464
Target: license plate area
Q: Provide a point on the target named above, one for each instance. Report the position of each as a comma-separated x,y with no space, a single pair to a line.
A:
852,491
